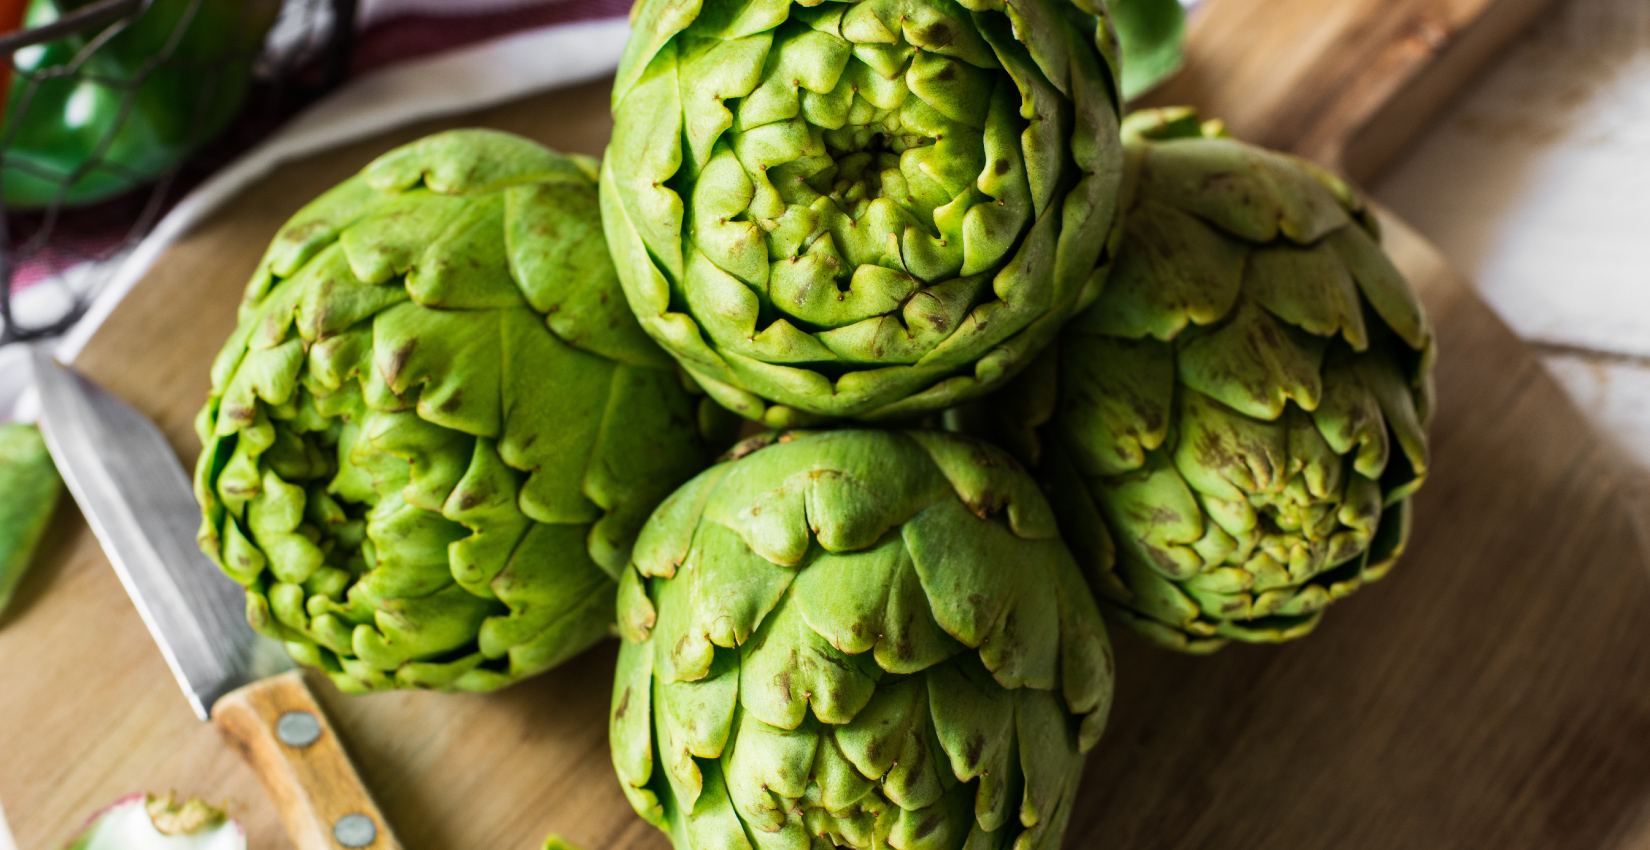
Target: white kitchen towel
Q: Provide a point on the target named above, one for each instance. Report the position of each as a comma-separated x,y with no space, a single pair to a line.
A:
372,11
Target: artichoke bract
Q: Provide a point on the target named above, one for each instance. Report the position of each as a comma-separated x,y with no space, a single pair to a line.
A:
434,435
1233,430
29,490
869,209
857,639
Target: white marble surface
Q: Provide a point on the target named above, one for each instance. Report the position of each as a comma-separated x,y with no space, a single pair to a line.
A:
1537,186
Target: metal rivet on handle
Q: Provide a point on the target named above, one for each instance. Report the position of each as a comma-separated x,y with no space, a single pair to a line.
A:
298,729
355,831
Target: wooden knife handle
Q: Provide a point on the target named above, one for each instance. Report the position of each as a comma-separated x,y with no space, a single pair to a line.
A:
281,731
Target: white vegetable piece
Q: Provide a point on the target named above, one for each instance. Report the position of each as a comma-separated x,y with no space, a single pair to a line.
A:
147,822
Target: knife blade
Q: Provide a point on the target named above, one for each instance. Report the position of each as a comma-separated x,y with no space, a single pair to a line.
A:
142,509
140,505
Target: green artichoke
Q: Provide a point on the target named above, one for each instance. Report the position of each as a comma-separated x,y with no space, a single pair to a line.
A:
1243,409
29,490
869,209
437,430
857,639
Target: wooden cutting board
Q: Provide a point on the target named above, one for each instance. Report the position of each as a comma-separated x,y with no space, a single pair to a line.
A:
1494,691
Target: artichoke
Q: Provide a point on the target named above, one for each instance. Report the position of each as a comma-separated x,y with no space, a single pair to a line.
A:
857,639
869,209
29,490
1233,430
434,435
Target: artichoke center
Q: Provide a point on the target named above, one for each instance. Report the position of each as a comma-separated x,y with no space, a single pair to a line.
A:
872,156
865,167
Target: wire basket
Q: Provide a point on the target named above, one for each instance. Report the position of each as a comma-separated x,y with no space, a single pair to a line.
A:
116,108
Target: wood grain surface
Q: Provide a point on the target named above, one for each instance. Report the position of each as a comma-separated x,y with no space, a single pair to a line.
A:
1346,82
1494,691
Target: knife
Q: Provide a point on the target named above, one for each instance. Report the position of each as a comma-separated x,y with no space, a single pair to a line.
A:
139,502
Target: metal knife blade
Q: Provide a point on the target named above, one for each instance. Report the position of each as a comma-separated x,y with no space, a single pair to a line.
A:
140,504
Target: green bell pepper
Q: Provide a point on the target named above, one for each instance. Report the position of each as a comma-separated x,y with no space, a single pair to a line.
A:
138,103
